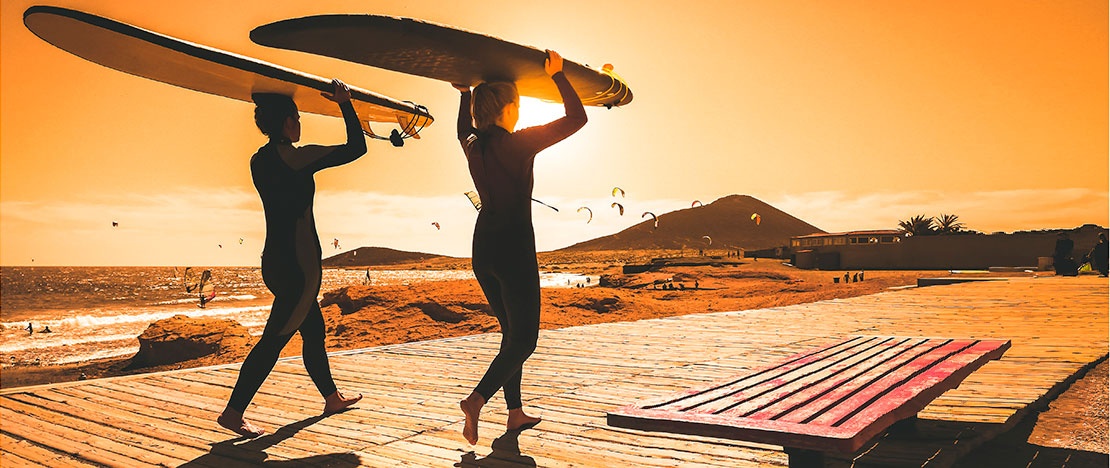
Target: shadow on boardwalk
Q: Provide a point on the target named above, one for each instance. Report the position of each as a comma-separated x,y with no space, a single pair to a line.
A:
253,451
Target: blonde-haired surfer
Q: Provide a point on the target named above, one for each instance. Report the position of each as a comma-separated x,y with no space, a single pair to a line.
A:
504,247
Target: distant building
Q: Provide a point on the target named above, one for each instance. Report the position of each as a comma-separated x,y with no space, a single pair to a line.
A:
894,250
825,250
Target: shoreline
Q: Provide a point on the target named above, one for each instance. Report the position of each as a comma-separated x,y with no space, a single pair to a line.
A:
440,309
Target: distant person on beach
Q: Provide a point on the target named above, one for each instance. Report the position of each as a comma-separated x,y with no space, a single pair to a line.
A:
291,265
30,329
1099,256
500,161
1062,261
46,329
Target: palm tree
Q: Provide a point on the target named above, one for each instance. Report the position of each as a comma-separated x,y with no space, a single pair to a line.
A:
948,224
918,226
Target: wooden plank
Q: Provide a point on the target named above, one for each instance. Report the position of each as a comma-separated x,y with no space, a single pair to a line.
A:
707,400
81,444
846,398
795,389
22,452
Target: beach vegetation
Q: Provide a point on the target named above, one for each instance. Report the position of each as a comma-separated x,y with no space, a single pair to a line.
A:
948,224
919,225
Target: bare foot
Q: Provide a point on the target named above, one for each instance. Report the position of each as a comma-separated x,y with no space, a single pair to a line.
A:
233,421
518,420
471,407
336,402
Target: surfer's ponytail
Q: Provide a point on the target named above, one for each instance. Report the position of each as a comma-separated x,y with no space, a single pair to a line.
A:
270,113
489,101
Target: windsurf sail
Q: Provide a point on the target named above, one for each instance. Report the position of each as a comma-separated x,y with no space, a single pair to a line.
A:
206,287
188,280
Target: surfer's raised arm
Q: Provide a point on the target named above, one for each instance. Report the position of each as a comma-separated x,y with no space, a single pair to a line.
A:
538,138
466,122
316,157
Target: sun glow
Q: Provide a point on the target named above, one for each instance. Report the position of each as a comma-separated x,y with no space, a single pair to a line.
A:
535,112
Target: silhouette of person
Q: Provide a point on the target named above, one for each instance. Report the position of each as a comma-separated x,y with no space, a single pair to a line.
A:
1099,256
291,265
500,161
845,277
46,329
30,329
1061,256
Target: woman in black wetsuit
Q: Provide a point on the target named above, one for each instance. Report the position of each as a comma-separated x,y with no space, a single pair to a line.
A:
504,248
291,266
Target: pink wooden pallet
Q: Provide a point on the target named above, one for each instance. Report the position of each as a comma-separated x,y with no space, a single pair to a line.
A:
831,399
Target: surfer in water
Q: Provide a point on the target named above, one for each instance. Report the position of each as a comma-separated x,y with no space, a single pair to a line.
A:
504,246
291,266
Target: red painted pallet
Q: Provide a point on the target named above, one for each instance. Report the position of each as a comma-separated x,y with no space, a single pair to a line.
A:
832,399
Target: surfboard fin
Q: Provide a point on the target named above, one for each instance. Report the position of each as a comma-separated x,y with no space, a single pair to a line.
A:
409,129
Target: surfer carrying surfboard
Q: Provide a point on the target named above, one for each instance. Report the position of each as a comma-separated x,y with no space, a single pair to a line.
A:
500,161
291,265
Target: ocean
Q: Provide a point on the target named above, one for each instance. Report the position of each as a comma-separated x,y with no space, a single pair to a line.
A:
98,312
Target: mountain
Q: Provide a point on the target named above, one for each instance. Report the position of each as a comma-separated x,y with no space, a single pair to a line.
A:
375,256
727,221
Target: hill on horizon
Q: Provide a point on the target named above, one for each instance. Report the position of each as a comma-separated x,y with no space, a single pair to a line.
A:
727,221
376,256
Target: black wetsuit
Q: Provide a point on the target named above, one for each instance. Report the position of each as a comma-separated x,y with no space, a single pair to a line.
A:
291,266
504,248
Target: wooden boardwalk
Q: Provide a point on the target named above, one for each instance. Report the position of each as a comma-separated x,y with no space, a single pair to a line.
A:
1058,327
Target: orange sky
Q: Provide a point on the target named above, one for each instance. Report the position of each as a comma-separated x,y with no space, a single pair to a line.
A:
849,115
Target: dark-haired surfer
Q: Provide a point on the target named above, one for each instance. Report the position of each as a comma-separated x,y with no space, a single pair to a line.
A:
504,247
291,266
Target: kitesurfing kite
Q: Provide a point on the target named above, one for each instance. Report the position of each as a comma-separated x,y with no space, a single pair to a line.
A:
617,190
710,239
473,196
696,202
618,206
588,210
115,224
756,218
545,204
436,224
335,243
648,213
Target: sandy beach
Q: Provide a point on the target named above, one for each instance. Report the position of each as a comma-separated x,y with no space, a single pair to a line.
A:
359,316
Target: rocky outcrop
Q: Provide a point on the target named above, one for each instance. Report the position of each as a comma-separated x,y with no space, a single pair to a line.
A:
351,299
182,338
600,305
